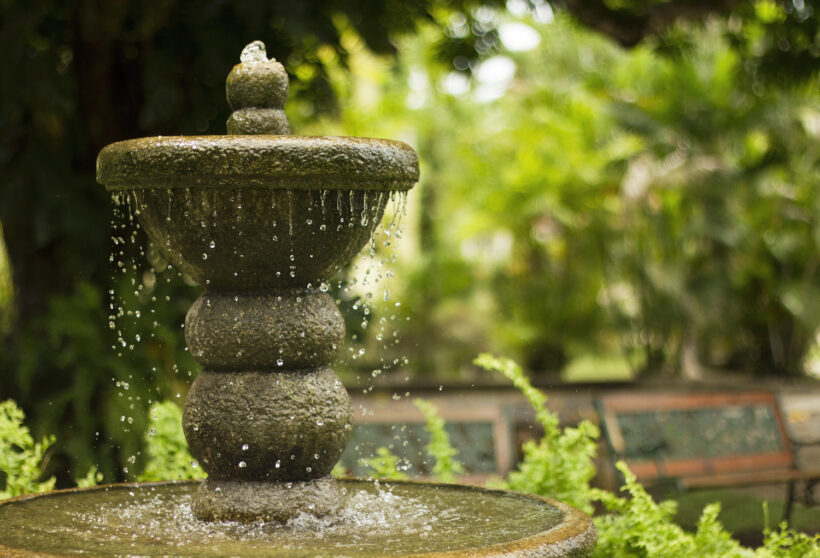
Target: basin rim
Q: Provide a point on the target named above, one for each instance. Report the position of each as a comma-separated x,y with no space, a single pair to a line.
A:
261,161
575,535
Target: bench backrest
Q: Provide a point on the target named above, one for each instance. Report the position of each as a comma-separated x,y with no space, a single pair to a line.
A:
478,428
665,435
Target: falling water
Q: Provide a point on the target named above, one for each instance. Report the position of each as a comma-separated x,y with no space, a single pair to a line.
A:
366,289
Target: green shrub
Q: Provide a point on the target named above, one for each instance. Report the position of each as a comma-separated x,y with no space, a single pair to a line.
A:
787,543
385,465
92,478
637,526
560,464
166,448
21,459
446,467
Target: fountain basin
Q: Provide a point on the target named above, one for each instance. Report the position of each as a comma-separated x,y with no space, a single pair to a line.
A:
387,518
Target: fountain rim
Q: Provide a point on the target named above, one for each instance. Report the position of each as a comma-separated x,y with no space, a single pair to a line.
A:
575,531
258,161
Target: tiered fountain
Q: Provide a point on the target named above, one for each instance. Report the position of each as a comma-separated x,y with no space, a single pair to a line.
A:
262,220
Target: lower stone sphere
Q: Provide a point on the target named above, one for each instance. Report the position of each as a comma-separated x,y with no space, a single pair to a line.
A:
267,426
265,501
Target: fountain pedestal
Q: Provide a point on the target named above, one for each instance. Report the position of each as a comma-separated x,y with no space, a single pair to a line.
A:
262,220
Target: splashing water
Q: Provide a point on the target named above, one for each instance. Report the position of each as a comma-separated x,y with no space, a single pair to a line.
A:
377,520
254,52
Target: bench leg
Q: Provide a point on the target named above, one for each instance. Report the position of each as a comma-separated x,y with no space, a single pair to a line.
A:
810,492
787,508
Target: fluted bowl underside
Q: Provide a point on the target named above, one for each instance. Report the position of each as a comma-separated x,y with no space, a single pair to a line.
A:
281,162
257,239
254,213
378,519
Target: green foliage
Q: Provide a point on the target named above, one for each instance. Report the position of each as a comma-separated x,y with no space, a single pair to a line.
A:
92,478
385,465
606,201
638,527
559,465
115,372
167,452
787,543
21,458
439,448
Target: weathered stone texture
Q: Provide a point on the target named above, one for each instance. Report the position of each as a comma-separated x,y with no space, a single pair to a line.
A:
267,426
285,330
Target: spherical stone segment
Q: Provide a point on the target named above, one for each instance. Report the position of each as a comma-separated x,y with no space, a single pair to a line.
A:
287,330
257,84
254,501
267,426
258,121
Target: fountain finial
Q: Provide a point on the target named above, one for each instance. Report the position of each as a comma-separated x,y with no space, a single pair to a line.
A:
257,89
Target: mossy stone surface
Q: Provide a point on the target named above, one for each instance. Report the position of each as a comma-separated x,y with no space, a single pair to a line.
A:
263,501
473,522
258,240
262,84
288,330
258,121
283,162
267,426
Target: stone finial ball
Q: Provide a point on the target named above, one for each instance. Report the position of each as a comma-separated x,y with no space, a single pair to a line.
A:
257,82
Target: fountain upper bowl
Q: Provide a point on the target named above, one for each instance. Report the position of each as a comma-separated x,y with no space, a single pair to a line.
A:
258,161
258,212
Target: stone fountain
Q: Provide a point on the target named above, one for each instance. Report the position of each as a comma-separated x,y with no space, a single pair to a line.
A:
262,220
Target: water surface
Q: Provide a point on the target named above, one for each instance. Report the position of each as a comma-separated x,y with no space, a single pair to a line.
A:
378,520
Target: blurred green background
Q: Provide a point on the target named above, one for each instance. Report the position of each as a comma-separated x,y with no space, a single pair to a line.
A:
612,189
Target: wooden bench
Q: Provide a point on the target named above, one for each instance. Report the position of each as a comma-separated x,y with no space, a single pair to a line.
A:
478,426
704,440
